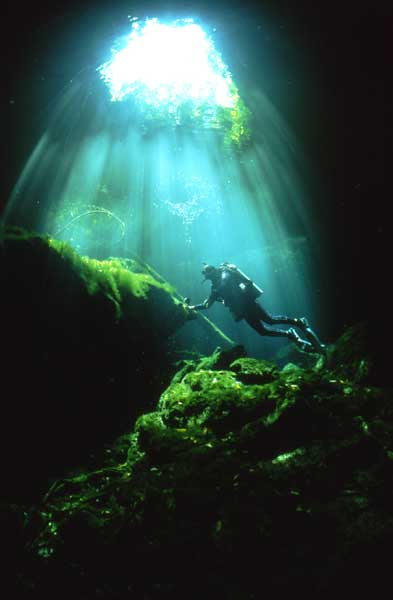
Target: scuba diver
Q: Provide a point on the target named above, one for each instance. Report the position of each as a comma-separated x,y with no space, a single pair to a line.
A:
236,291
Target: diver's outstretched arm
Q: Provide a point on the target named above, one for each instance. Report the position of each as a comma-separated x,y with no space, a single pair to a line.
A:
206,304
202,306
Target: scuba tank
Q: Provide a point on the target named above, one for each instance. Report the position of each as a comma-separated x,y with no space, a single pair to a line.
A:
246,285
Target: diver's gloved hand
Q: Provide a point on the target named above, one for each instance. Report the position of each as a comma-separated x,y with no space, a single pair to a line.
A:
187,304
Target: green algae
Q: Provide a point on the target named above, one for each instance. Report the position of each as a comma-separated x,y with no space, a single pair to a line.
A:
282,458
222,466
251,370
110,276
135,297
279,475
213,399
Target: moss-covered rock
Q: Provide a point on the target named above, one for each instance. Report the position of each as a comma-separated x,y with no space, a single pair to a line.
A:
361,354
79,337
232,478
251,370
279,480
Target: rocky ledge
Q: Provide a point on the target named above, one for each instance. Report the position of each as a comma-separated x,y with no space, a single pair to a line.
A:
245,479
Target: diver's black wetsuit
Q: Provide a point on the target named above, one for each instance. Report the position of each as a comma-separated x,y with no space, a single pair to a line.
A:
238,293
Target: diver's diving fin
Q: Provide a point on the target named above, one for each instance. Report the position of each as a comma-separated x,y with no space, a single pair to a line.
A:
315,341
311,336
300,343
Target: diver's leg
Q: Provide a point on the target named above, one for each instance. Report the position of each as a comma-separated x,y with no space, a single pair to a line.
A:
314,339
256,324
310,334
302,323
275,319
300,342
291,334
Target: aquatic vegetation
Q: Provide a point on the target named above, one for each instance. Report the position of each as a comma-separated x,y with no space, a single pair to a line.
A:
288,467
251,467
88,225
79,330
112,277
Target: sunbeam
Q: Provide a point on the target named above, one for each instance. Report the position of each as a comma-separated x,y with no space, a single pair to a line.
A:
156,153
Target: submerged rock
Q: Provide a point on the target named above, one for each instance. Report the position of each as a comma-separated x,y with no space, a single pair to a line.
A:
244,480
79,339
360,355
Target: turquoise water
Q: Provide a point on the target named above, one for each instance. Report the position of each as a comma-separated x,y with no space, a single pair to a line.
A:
114,180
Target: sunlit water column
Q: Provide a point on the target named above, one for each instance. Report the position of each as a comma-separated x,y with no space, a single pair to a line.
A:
176,185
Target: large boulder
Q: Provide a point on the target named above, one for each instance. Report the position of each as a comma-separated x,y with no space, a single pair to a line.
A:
244,480
79,338
362,353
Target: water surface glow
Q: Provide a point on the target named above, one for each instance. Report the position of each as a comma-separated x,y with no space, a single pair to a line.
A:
168,63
